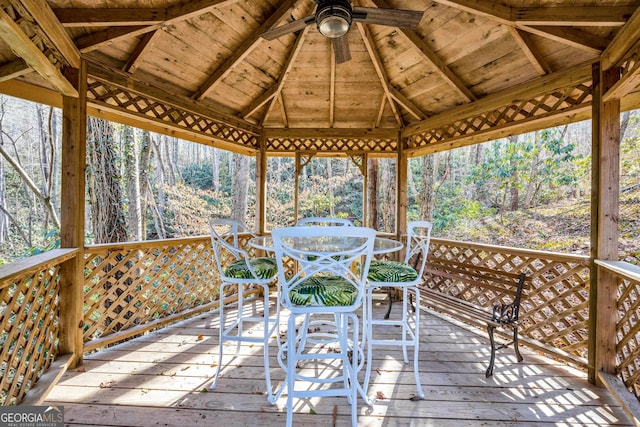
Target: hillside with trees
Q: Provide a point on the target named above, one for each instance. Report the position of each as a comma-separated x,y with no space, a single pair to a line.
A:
530,191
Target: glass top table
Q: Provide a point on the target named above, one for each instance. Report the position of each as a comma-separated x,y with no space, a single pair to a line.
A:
382,245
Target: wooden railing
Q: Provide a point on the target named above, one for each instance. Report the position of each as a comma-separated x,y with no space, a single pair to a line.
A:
29,321
134,287
628,323
554,310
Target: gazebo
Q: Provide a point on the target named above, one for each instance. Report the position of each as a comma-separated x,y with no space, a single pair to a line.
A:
260,78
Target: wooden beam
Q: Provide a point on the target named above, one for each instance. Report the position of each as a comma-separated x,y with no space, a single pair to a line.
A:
505,15
573,37
577,16
628,82
627,401
404,102
528,48
13,69
47,21
72,214
379,133
332,85
135,58
380,71
239,53
283,111
110,17
559,80
22,46
174,14
622,43
284,75
605,188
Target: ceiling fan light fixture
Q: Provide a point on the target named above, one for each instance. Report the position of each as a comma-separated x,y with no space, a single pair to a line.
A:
333,18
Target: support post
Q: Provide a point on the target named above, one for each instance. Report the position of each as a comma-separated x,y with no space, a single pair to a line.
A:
605,193
74,125
261,191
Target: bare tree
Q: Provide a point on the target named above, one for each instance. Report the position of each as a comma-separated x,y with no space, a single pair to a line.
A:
240,187
132,181
372,192
105,195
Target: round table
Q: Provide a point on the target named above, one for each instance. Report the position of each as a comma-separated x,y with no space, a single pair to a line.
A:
382,245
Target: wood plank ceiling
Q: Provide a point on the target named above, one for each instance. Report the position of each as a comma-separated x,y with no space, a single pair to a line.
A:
210,55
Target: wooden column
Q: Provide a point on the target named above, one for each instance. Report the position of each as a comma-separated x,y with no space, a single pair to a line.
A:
605,190
401,188
261,191
74,124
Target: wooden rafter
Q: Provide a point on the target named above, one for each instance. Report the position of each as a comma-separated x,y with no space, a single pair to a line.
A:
380,71
173,14
581,16
14,69
27,50
243,50
440,67
622,43
571,36
332,86
136,56
49,24
528,48
274,92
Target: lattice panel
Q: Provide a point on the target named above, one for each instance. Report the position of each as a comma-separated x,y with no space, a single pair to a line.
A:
340,145
130,286
519,111
29,322
101,92
628,333
35,33
555,307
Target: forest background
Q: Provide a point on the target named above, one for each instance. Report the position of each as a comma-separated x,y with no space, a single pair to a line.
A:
527,191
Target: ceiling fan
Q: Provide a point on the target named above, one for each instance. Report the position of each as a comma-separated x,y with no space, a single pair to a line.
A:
333,18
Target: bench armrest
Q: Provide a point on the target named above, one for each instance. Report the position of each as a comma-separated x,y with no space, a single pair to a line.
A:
504,313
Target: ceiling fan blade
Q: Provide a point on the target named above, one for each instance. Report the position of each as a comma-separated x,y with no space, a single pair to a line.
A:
341,49
391,17
291,27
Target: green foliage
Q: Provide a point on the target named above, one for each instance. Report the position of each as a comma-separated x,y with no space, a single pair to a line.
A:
197,176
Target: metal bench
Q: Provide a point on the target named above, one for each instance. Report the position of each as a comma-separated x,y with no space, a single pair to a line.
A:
504,315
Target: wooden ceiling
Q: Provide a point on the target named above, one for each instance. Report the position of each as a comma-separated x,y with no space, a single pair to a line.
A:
202,66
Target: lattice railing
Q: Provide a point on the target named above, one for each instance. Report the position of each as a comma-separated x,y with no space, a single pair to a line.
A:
133,284
29,321
555,305
339,145
628,322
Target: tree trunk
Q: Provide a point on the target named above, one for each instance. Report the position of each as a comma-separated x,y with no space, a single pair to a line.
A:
388,210
372,193
215,168
240,187
426,199
105,195
132,180
515,192
145,188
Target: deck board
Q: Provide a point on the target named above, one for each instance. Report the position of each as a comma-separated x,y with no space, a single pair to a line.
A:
161,379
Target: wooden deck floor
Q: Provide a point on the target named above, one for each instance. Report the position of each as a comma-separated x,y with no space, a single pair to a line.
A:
161,380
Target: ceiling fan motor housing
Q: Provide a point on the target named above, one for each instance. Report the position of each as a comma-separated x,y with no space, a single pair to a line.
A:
334,17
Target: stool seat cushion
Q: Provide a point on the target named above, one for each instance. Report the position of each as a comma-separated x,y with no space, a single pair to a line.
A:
391,271
324,291
265,268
